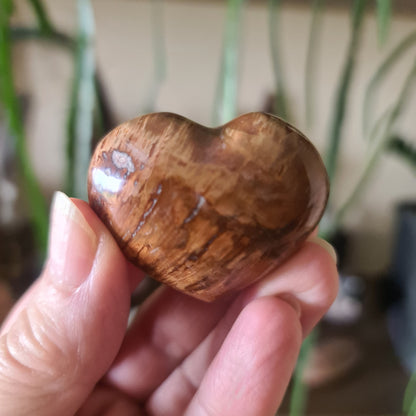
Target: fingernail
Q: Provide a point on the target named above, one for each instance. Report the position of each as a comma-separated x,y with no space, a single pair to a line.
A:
72,243
325,245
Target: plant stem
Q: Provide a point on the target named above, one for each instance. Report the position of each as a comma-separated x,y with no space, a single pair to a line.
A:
382,144
44,23
340,107
85,90
298,397
403,149
25,33
84,98
383,20
159,54
61,39
225,106
378,77
103,115
280,103
48,32
409,403
365,176
9,98
310,67
71,130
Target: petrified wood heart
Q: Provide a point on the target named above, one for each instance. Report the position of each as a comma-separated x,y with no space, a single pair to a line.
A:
207,211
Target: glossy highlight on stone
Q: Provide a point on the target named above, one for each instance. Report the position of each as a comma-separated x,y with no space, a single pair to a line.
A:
207,211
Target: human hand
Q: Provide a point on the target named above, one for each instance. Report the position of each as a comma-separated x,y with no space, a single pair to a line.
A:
64,348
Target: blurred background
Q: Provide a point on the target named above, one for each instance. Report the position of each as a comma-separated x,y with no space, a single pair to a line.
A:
343,72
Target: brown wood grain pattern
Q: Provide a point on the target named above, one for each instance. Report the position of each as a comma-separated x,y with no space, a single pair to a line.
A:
207,211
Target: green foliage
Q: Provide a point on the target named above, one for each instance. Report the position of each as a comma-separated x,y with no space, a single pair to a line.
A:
159,55
86,95
409,404
6,8
81,115
45,30
383,20
379,76
10,104
311,61
28,33
44,23
381,132
405,150
382,142
225,106
280,102
340,106
298,397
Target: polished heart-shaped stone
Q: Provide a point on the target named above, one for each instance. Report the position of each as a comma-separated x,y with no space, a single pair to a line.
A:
207,211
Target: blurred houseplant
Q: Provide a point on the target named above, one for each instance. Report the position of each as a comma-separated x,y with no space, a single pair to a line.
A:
379,131
89,115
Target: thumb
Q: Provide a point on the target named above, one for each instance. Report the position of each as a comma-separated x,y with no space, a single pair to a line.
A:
65,332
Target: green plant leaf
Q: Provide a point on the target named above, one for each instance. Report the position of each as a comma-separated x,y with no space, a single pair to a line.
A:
104,120
44,23
409,404
103,114
298,397
19,34
311,61
341,99
10,103
159,54
6,8
403,149
225,105
381,144
81,112
383,20
280,95
379,76
71,130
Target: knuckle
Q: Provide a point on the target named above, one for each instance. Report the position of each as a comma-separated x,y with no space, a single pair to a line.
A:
32,355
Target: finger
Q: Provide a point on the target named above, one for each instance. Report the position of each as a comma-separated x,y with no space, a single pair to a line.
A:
172,324
250,373
295,282
134,275
309,280
314,233
64,334
180,385
105,401
169,326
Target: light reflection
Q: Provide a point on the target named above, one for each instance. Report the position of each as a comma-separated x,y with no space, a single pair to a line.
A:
106,183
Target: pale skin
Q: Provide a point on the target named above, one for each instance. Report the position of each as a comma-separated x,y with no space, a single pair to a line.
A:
65,348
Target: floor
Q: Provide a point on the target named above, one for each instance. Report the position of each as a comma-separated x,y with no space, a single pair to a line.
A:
376,384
